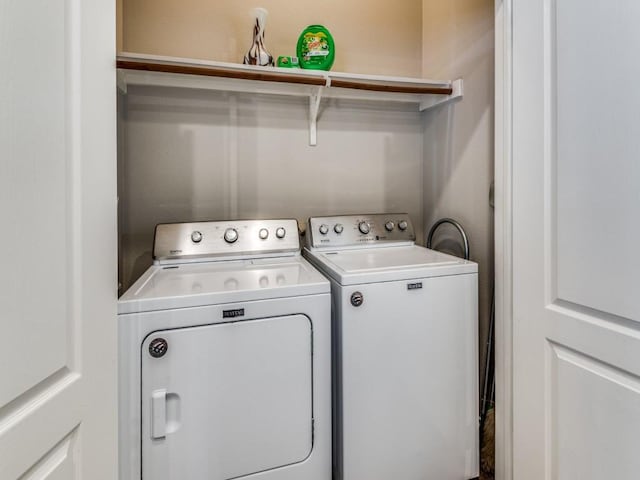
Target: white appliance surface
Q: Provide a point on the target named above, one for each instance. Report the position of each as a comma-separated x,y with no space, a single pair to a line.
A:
206,283
366,265
405,345
225,357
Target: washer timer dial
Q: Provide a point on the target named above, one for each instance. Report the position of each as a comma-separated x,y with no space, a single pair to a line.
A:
230,235
364,227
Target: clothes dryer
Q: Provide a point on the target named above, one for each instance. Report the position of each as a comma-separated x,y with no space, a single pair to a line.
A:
405,344
224,357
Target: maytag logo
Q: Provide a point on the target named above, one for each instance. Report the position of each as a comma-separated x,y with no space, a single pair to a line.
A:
414,286
238,312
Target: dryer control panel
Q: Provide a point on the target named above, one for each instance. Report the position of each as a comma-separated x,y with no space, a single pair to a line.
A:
225,240
360,230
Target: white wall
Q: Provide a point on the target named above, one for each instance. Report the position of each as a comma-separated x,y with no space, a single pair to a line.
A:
202,155
458,142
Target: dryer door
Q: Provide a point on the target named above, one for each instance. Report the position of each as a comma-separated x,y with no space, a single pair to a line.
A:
226,400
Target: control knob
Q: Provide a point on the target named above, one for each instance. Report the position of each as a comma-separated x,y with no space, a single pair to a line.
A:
389,226
230,235
402,225
280,232
364,227
324,229
338,228
196,236
263,233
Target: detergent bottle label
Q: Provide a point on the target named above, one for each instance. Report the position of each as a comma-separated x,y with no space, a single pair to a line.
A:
315,44
316,48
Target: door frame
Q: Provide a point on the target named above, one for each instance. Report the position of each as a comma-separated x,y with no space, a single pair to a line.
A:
503,239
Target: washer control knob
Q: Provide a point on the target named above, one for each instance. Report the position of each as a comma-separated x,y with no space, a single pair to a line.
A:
263,233
230,235
338,228
280,232
196,236
364,227
389,226
402,225
324,229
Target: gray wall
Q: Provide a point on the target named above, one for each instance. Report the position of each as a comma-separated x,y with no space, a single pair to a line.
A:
459,43
206,155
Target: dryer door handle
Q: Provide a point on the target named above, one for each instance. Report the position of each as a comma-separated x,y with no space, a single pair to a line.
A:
159,414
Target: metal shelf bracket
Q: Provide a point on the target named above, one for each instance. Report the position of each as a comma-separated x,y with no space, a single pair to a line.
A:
314,108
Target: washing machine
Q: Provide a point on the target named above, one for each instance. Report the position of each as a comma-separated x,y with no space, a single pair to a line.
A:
224,357
405,346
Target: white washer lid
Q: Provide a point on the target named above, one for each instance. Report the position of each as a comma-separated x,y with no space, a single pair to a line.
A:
164,287
384,264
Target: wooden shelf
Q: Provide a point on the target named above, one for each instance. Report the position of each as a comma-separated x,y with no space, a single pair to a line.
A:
152,70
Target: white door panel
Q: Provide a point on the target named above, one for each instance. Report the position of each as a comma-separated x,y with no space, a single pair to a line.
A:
57,204
35,168
593,416
58,464
596,132
576,201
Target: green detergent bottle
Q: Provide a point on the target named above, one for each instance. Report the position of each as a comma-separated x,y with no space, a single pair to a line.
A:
316,49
